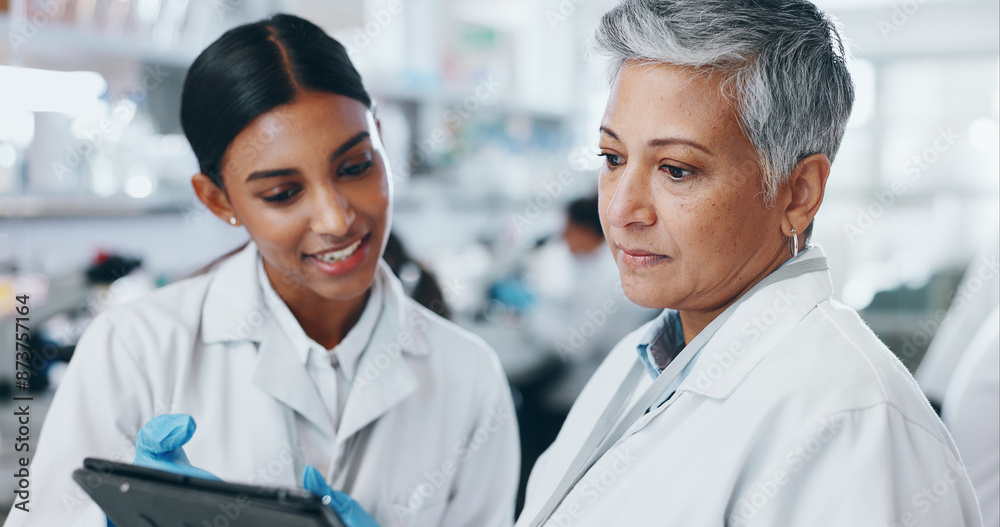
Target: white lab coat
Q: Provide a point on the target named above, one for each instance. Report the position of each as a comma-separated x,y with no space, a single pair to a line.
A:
972,413
582,323
429,417
976,296
794,414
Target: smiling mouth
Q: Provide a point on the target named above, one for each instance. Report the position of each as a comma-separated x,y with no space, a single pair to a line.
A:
339,255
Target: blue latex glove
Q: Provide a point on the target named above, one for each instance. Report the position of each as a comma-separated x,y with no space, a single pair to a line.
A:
348,510
160,445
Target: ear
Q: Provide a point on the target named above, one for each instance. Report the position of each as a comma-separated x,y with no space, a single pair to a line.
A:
806,185
214,197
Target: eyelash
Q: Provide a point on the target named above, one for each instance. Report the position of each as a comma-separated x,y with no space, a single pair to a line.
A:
670,169
357,169
607,159
614,161
284,195
348,171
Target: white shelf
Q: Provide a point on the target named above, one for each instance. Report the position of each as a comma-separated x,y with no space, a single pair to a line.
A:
41,206
62,43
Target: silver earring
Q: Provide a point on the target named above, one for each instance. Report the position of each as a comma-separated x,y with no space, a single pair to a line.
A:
793,244
232,220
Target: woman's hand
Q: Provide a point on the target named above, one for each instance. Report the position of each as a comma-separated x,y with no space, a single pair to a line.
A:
160,445
349,511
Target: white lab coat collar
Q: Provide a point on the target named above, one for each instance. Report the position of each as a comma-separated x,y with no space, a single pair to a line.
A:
234,310
349,350
754,329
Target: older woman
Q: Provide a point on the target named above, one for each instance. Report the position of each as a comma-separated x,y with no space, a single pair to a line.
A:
754,399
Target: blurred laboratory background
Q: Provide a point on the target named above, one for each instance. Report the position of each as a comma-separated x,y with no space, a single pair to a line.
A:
489,112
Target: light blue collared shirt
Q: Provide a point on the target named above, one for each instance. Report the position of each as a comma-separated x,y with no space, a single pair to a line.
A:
660,345
665,340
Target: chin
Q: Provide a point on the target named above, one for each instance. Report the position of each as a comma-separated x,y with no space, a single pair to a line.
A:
644,296
351,287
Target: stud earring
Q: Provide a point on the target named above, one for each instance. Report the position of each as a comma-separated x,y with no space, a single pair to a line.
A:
232,220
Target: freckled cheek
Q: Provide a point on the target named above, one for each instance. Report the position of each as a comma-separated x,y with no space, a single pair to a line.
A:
702,229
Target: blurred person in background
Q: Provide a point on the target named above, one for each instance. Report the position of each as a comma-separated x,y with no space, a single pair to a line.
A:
299,356
418,282
976,296
972,413
580,324
577,322
961,375
754,398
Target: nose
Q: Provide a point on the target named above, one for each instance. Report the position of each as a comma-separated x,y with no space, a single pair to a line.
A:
331,212
631,204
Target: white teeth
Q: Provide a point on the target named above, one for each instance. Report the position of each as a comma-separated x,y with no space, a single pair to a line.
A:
337,256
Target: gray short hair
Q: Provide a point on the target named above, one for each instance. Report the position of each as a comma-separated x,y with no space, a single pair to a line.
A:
783,64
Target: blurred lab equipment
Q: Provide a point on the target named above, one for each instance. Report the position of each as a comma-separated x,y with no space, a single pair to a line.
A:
111,280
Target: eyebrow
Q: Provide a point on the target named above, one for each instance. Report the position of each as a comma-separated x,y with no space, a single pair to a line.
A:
665,141
341,150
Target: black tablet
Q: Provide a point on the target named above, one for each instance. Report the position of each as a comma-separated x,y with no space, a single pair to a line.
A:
142,497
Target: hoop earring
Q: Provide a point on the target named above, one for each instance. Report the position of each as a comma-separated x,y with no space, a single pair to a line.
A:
232,220
793,244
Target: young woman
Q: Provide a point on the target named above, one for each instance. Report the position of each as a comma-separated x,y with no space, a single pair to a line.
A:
301,349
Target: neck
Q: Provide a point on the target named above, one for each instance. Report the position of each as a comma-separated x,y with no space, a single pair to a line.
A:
323,320
694,321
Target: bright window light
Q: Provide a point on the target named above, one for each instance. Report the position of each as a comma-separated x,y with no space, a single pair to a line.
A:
69,92
8,155
16,126
140,186
984,134
863,75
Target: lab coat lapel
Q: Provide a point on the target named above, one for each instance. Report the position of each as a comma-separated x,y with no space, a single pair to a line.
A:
754,330
234,311
281,373
383,378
